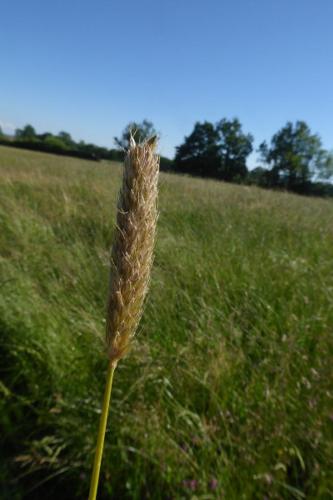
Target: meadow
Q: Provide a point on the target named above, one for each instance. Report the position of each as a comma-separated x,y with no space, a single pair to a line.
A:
228,390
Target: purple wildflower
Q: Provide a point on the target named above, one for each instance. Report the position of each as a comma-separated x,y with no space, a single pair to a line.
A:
191,484
213,483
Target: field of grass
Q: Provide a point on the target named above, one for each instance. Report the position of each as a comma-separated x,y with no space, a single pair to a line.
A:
228,391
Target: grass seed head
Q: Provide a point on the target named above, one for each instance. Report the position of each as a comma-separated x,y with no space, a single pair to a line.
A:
132,251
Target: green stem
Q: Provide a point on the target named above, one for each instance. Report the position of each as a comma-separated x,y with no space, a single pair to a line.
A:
101,432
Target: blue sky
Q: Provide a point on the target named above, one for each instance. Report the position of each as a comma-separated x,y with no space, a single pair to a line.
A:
90,67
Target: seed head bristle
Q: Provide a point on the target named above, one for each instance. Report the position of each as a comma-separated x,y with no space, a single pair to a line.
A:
132,251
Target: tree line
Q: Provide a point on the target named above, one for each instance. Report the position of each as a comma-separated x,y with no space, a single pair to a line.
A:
293,159
61,143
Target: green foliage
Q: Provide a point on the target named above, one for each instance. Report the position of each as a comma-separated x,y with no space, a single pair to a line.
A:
218,151
198,155
325,167
233,147
56,143
166,164
62,144
67,139
228,390
28,132
259,176
295,156
140,132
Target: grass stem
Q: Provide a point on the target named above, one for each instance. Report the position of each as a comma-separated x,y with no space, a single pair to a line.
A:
101,432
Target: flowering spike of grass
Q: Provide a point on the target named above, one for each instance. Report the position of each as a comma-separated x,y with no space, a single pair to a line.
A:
132,256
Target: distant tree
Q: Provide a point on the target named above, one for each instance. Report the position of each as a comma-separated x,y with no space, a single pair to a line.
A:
234,148
215,151
66,138
55,143
325,168
1,133
27,133
44,136
166,164
295,157
140,132
258,176
198,154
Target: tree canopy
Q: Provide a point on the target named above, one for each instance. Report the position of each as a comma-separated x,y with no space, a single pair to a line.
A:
66,138
28,132
218,151
234,147
140,132
198,154
295,157
62,144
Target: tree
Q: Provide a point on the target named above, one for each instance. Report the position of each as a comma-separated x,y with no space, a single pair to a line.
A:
259,176
198,154
218,151
1,132
295,157
66,139
325,169
27,133
55,143
140,132
234,148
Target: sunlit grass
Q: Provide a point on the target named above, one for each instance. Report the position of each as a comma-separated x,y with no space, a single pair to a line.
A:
229,389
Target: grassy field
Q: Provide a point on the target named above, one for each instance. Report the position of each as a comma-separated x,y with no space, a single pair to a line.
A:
228,391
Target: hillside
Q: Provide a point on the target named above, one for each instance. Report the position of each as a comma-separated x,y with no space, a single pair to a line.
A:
228,390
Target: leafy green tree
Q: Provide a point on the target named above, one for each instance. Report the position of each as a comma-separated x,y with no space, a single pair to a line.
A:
1,133
66,138
295,157
27,133
259,176
234,148
198,154
55,143
218,151
140,132
325,168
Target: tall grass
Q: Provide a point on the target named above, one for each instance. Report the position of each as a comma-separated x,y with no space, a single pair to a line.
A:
131,262
228,392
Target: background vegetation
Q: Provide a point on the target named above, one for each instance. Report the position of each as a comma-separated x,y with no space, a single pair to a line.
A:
293,161
63,143
228,391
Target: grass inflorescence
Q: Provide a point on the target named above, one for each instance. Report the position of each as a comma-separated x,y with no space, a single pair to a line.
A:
131,262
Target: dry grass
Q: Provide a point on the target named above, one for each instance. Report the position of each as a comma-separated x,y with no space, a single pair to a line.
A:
132,252
132,257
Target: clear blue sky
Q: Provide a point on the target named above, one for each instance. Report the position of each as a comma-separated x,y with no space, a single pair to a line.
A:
90,67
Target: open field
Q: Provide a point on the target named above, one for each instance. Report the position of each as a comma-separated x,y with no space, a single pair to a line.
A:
228,392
